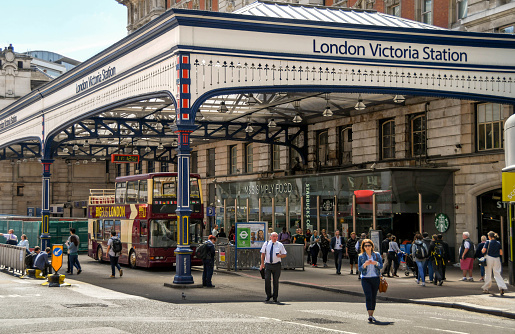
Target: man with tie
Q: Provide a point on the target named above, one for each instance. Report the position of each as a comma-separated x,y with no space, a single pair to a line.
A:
271,254
337,244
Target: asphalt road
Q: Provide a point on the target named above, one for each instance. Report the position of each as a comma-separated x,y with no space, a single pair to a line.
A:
140,303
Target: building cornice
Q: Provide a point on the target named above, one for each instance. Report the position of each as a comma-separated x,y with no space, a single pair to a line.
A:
489,15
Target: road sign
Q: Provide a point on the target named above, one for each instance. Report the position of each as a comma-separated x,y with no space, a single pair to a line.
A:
57,257
210,211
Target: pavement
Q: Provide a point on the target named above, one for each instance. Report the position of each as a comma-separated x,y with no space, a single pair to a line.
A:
403,289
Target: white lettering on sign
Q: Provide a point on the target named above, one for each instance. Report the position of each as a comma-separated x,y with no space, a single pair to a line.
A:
95,79
268,189
378,50
4,123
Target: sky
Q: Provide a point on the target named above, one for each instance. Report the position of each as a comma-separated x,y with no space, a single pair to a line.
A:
72,28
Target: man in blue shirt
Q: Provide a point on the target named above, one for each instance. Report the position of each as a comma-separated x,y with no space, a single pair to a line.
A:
41,261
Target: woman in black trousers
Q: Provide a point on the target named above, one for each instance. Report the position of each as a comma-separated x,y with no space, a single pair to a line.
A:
370,265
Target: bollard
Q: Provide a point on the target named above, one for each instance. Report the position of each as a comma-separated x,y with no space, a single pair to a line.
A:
54,280
31,273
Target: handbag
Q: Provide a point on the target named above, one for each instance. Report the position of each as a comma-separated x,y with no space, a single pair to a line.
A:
383,285
482,259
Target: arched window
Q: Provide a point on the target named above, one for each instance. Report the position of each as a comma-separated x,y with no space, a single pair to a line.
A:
418,135
249,158
323,147
346,145
388,139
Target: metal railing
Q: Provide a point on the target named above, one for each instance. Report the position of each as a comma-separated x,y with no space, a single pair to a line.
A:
12,258
251,258
101,196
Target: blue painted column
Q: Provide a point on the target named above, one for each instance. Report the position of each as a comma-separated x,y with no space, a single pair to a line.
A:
45,206
184,127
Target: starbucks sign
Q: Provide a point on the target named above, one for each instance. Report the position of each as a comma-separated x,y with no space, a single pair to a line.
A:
442,222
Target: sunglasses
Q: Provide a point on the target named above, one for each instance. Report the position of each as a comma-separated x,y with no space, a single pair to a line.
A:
367,245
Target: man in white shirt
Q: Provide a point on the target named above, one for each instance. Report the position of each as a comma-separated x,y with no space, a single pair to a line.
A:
214,232
11,238
271,254
337,244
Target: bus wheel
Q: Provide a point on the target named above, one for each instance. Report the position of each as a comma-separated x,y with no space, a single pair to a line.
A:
132,259
100,253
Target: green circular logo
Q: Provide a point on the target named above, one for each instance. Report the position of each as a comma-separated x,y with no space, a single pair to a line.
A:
442,222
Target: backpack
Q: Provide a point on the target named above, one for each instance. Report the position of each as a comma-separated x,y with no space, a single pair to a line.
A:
29,260
420,251
439,251
117,245
203,252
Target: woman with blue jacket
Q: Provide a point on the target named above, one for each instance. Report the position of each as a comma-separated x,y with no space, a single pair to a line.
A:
370,265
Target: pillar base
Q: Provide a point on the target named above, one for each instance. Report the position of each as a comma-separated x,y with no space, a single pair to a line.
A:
183,265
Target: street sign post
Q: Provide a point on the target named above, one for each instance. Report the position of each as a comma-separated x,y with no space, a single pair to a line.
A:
57,257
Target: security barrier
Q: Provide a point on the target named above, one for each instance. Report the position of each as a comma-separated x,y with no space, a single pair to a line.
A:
58,230
12,258
251,258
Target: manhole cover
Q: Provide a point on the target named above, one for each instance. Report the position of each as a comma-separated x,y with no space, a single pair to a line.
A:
320,320
84,305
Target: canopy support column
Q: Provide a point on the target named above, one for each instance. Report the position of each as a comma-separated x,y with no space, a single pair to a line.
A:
45,205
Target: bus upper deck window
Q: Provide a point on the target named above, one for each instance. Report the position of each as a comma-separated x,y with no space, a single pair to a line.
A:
143,192
132,191
120,192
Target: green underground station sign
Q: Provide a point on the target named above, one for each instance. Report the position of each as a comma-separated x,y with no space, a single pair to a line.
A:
243,237
442,222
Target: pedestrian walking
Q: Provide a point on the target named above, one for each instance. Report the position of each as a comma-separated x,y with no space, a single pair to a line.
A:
493,252
284,237
393,250
325,246
209,262
352,253
271,254
222,233
337,245
370,265
437,252
420,253
73,252
24,242
428,265
308,248
385,244
467,257
114,249
10,237
479,254
314,248
214,232
447,254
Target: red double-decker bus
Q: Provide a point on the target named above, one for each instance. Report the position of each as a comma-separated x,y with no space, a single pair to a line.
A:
141,209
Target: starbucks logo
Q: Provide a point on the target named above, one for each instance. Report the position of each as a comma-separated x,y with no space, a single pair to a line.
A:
442,222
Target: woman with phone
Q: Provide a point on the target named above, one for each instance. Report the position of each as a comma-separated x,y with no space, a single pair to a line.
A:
370,265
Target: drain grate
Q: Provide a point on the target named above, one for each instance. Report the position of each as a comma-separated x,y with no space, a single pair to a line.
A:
84,305
320,321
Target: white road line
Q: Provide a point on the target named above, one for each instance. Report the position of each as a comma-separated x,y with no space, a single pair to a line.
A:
441,330
471,323
310,326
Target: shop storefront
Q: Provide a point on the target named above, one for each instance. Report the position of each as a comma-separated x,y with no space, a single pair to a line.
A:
394,197
492,215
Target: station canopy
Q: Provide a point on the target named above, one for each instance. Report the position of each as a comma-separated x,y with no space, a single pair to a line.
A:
145,127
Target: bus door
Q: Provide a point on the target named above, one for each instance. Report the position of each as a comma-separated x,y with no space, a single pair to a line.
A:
140,243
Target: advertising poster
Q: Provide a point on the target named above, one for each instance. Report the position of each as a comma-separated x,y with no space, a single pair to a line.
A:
250,235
